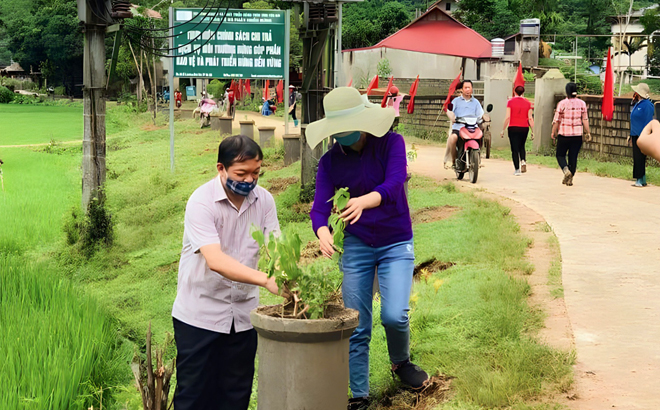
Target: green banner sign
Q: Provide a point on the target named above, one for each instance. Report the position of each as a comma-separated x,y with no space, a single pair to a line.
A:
248,43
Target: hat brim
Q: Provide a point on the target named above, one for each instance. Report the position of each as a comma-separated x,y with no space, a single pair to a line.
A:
637,89
373,120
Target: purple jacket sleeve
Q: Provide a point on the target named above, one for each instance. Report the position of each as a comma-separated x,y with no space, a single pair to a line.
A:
396,169
321,208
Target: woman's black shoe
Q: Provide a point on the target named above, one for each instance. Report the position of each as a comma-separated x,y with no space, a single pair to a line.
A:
359,403
410,374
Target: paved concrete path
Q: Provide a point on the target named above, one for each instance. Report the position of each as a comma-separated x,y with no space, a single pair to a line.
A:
609,234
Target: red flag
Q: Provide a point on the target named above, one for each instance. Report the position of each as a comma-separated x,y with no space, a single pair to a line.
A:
520,79
240,90
266,86
383,103
234,88
279,90
248,90
452,88
373,84
608,90
413,92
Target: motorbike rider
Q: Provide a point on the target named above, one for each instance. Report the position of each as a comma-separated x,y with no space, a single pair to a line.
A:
463,106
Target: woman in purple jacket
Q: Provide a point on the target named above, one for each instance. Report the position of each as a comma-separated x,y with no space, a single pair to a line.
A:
371,161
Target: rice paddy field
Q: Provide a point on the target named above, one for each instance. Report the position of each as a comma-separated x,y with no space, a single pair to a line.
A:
70,324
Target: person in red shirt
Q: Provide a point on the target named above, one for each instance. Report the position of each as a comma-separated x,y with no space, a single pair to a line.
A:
519,121
177,98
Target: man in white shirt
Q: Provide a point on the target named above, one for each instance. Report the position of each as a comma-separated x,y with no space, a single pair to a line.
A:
218,284
464,106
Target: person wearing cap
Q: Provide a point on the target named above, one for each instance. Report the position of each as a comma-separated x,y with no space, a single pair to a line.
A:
394,101
292,104
569,123
518,122
370,160
640,115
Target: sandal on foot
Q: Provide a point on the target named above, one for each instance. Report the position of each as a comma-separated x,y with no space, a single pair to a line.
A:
410,374
568,176
358,403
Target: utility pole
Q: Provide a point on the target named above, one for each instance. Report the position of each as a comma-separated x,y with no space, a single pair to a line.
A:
93,164
319,21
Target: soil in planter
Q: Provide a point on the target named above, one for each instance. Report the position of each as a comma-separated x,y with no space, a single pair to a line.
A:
429,267
334,310
435,393
277,185
433,213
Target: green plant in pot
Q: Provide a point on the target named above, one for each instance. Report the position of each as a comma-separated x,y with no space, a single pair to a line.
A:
308,290
288,342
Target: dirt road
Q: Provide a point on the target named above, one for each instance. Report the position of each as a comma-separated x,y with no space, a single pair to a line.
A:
609,235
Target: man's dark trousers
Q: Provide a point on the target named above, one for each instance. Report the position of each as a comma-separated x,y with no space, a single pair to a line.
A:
214,370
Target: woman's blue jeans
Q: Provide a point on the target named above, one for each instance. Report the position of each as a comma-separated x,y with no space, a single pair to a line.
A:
394,265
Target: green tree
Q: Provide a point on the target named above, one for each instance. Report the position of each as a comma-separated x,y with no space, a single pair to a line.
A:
366,23
491,18
44,30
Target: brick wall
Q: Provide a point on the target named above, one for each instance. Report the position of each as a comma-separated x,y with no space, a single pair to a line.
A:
428,86
614,133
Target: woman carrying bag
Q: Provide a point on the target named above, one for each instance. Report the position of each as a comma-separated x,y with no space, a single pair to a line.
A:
371,161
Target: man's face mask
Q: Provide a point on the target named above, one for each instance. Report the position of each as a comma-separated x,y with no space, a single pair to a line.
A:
241,188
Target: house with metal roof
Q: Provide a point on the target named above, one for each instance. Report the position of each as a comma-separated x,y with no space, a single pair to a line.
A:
433,46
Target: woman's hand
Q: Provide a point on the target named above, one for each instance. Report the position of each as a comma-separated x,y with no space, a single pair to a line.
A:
531,135
629,141
589,137
502,134
326,241
353,210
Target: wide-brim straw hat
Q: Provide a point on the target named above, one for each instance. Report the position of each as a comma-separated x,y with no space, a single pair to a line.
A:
642,89
346,110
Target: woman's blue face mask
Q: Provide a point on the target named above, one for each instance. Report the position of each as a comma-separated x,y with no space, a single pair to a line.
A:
348,138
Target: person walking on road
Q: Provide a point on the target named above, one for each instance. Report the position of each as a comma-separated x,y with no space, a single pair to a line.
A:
640,115
519,121
371,161
293,99
569,123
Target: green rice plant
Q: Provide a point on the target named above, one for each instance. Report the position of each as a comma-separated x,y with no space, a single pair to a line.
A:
39,187
57,345
40,123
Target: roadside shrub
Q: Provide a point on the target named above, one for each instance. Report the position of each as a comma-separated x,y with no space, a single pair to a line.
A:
14,84
26,99
6,96
89,232
216,88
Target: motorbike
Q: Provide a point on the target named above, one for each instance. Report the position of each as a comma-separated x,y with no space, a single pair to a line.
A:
469,148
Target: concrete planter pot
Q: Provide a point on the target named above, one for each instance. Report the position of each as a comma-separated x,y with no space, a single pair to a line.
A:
303,364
